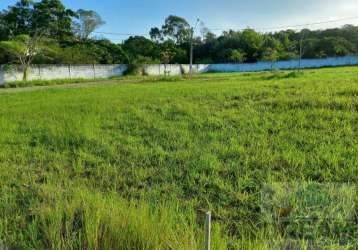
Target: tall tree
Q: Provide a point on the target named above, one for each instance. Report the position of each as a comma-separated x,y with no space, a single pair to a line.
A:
17,19
86,23
170,53
156,34
52,15
3,27
270,55
251,42
175,28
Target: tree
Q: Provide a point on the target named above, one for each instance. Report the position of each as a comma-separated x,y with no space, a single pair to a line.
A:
310,48
237,56
24,48
270,55
167,54
251,42
27,17
177,29
17,20
52,16
87,22
156,34
78,54
209,37
140,46
335,46
288,40
206,50
72,40
3,27
114,51
272,49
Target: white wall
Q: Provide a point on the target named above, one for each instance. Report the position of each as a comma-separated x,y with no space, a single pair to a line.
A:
48,72
174,69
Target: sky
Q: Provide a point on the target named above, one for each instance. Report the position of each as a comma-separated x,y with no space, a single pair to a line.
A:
138,16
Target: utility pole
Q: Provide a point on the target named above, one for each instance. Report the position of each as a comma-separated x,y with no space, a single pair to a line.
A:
301,50
192,46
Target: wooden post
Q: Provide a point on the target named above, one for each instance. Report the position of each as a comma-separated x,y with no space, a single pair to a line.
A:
208,231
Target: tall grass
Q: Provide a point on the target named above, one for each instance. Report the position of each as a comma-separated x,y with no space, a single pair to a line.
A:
32,83
90,221
77,218
133,165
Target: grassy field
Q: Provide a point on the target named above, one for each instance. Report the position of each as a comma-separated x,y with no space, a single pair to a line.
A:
56,82
132,166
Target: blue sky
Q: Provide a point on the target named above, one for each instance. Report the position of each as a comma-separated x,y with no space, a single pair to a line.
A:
138,16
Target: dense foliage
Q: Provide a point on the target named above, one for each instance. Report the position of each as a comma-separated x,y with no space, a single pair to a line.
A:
69,38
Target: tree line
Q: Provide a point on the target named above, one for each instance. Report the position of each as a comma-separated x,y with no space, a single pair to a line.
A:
46,32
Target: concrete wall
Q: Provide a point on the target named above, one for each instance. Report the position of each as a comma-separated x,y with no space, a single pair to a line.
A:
174,69
305,63
48,72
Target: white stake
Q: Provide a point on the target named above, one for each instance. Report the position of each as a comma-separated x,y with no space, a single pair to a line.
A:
208,231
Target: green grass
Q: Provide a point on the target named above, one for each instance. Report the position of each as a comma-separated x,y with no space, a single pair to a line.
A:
132,166
33,83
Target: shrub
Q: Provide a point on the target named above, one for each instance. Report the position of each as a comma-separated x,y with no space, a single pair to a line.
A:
137,66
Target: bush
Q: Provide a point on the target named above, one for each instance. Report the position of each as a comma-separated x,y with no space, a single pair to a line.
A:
134,70
136,67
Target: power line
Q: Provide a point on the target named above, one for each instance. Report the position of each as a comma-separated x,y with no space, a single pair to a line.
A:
311,24
119,34
294,26
241,29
